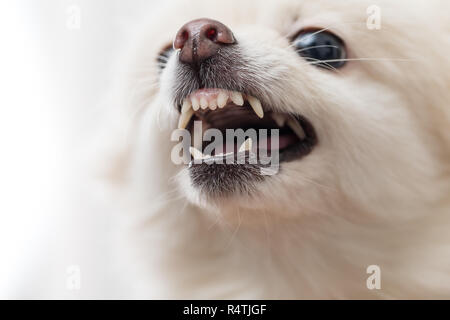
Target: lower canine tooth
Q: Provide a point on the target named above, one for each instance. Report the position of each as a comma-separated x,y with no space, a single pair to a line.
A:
197,154
185,118
246,146
237,98
223,154
222,99
297,128
256,105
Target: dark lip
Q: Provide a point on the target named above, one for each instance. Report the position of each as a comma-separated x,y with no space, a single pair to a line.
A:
305,147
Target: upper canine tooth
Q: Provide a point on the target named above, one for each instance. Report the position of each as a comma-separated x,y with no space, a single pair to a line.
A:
197,154
256,105
186,106
279,119
297,128
185,118
222,99
204,103
195,103
237,98
246,146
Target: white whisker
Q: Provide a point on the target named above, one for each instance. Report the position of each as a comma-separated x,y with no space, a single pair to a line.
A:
316,47
335,25
233,236
363,59
324,63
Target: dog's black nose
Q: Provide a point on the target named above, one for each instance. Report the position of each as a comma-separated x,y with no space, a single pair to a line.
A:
201,39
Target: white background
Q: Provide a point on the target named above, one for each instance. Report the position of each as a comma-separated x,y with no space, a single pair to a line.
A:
51,79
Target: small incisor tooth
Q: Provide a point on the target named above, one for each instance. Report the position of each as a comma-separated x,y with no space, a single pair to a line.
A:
185,118
297,128
279,119
237,98
204,103
222,99
195,103
197,154
186,106
213,105
256,106
246,146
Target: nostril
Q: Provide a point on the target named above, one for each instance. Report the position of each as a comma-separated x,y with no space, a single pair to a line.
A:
211,34
184,36
181,39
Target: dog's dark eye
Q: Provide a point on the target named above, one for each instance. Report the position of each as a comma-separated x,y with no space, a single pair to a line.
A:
321,48
164,56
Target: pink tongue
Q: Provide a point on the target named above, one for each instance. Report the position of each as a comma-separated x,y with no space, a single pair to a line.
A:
284,142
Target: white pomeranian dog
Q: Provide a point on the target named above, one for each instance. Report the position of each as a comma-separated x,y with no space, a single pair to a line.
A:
359,205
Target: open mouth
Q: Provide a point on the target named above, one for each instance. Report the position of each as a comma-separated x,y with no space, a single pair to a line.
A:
222,110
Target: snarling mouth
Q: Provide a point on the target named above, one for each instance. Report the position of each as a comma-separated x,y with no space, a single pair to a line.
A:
235,168
222,110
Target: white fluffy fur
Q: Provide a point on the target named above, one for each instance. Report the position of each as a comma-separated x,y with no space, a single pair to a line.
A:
374,191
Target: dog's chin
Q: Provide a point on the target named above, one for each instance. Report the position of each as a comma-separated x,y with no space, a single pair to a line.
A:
234,209
212,201
238,206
